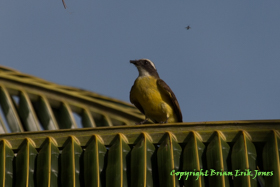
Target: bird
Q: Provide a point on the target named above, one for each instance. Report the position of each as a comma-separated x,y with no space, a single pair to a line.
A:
152,96
188,27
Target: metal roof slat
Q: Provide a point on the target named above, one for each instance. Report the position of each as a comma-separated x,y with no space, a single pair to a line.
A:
27,114
47,171
10,111
87,120
25,164
243,159
117,166
6,163
192,160
64,117
94,162
3,128
271,159
70,162
168,159
45,114
217,154
142,166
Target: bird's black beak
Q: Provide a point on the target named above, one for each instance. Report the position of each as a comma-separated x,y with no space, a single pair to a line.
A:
135,62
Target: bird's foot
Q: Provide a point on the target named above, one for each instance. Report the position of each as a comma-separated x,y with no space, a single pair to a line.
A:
142,122
162,122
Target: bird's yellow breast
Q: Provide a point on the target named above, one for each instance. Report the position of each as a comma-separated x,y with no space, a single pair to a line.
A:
155,103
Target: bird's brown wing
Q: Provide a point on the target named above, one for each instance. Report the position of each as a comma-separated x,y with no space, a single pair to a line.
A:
172,97
135,102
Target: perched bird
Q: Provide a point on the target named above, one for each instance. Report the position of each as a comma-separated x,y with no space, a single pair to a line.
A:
152,96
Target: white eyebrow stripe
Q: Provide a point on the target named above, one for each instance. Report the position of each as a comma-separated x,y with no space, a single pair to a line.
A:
150,62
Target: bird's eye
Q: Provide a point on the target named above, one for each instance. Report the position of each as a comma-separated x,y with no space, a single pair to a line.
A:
146,62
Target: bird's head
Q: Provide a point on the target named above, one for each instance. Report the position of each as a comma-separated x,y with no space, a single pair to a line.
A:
145,67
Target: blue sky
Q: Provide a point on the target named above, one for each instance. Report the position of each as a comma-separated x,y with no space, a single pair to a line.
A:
226,67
